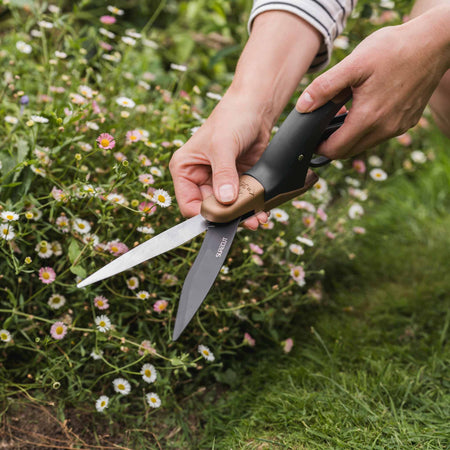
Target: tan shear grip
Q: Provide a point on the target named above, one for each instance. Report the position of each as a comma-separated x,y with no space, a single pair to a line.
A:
250,198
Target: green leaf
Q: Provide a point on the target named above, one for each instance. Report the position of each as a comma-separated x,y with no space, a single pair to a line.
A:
74,250
78,270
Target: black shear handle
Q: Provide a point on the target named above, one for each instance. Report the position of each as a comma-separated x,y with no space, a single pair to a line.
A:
283,167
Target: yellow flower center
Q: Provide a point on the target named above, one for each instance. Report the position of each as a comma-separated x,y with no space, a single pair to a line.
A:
46,276
102,323
10,217
29,215
4,336
103,404
133,137
161,198
153,400
104,142
205,352
5,231
100,303
121,387
59,330
148,373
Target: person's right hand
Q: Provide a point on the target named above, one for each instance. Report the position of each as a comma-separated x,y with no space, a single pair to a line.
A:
229,142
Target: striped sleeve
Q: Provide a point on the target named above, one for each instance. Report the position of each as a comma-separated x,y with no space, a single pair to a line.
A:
327,16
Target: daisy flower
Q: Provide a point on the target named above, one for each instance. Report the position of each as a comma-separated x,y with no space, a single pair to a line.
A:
279,215
322,215
179,67
320,187
56,301
39,119
133,136
43,250
206,352
58,330
47,275
90,239
355,211
146,179
106,141
82,226
102,403
155,171
125,102
103,323
116,198
378,174
86,91
143,295
287,345
38,170
359,165
7,231
128,40
305,241
418,157
5,336
106,33
146,230
114,10
9,216
148,373
11,119
249,340
160,305
309,221
146,347
301,204
213,96
375,161
101,302
122,386
108,20
267,226
133,283
296,249
96,355
23,47
256,249
117,248
298,275
162,198
63,224
153,400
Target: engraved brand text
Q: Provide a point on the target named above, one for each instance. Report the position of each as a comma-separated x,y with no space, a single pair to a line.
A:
222,245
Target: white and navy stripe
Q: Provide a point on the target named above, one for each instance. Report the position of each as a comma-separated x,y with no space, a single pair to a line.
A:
327,16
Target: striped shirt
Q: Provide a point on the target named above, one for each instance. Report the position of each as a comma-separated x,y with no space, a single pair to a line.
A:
326,16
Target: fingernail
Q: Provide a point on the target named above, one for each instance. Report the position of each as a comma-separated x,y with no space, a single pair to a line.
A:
226,193
305,102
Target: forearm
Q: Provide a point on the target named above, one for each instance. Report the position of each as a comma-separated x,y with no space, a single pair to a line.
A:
436,14
278,53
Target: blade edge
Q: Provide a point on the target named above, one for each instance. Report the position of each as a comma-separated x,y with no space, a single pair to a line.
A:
163,242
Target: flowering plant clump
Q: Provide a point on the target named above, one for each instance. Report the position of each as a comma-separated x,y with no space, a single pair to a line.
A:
87,131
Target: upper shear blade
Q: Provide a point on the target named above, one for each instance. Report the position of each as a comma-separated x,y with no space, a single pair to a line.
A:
168,240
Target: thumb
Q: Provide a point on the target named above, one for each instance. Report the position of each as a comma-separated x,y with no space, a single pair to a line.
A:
326,87
224,175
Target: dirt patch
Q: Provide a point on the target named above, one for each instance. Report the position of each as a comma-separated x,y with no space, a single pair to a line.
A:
29,426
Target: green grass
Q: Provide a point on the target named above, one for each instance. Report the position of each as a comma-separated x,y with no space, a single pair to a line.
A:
370,364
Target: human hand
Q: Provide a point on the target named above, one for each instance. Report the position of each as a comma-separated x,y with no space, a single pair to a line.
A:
392,74
230,142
